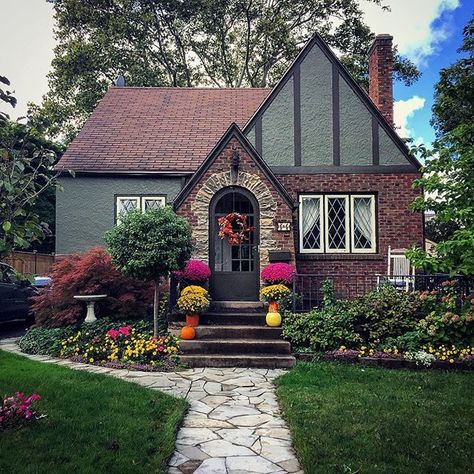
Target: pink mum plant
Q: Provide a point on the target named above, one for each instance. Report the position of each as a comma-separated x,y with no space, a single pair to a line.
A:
278,273
195,271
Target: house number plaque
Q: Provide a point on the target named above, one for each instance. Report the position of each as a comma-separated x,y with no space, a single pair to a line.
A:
283,226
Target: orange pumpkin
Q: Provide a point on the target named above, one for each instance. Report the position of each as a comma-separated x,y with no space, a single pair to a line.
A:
188,332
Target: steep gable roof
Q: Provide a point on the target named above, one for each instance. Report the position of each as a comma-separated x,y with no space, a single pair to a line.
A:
157,129
378,118
233,132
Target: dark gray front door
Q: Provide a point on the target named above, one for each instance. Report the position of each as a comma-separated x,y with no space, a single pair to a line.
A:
234,267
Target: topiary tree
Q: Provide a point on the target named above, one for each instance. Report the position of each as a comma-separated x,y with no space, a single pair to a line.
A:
149,246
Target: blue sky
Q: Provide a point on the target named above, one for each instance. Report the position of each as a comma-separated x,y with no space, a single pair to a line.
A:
445,53
427,31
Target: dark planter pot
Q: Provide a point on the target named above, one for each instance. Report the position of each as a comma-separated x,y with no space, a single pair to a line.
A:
369,360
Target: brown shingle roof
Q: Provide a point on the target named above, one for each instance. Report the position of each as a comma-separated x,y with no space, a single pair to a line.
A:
158,128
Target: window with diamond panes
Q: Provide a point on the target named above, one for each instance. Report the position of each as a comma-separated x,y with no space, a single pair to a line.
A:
336,223
127,204
363,223
311,228
152,203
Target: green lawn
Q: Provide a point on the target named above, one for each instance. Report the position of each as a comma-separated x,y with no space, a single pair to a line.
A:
348,419
94,424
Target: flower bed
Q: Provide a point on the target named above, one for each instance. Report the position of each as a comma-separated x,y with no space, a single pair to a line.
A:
125,346
441,357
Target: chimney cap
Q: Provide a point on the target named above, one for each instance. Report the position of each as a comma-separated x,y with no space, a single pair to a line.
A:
382,37
120,81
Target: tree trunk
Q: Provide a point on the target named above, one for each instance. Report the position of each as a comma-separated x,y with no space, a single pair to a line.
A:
156,305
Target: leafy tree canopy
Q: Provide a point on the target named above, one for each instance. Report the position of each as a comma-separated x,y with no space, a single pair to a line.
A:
448,176
224,43
149,246
26,177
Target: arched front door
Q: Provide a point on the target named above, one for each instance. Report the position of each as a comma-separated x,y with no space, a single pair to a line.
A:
234,268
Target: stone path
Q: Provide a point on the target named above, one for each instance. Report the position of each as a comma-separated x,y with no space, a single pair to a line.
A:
233,425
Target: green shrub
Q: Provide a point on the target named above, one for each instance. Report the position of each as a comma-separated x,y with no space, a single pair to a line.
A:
46,341
322,330
386,313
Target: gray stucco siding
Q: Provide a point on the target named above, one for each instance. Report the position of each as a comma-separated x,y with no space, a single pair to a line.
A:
316,109
356,127
251,136
389,153
277,128
86,207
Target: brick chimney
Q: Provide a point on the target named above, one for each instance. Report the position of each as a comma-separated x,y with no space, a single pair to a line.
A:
380,75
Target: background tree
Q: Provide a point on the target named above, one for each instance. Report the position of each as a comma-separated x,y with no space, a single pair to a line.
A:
448,176
149,246
223,43
26,176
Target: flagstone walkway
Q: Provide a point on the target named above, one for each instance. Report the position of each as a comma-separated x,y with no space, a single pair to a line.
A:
233,425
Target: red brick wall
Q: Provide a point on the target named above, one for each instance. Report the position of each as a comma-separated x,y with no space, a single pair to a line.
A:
222,164
397,225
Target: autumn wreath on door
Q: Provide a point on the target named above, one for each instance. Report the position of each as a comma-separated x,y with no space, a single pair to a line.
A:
234,228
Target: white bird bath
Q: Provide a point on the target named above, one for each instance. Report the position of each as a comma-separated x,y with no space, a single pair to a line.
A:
90,302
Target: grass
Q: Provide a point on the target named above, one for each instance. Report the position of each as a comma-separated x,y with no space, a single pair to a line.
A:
94,423
350,419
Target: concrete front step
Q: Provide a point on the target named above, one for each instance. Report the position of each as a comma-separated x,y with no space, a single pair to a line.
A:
237,332
225,319
237,306
266,361
235,346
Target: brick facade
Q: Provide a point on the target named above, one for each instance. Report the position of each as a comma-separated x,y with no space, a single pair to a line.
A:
380,75
273,208
397,225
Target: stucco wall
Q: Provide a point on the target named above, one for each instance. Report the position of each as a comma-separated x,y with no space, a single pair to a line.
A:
277,129
85,210
316,109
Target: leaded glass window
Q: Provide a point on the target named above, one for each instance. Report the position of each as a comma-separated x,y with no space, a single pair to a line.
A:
127,204
152,203
363,223
342,223
336,223
311,228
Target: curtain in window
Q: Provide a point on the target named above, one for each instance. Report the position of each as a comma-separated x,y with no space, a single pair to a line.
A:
362,223
311,223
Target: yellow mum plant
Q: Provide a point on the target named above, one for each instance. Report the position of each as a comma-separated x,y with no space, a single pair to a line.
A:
195,290
274,293
193,303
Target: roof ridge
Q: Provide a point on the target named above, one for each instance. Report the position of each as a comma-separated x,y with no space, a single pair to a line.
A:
191,88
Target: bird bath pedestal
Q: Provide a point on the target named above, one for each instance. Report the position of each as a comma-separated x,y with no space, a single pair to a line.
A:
90,302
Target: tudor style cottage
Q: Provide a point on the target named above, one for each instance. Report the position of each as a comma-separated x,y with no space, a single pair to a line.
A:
314,163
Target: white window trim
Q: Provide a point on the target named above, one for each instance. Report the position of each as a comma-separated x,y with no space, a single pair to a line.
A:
321,223
347,249
373,248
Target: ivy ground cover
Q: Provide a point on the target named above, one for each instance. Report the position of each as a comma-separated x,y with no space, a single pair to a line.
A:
348,419
93,423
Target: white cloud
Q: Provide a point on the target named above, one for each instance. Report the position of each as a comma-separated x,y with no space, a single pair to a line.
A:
418,26
403,110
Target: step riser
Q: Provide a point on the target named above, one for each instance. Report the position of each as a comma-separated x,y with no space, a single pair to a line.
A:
227,319
234,348
212,332
217,361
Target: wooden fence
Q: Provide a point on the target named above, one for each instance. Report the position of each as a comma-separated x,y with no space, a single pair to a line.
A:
31,262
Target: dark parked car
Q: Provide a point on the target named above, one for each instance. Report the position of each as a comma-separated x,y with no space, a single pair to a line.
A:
15,293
